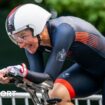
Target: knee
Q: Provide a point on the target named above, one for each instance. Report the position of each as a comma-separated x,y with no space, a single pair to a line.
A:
55,92
59,91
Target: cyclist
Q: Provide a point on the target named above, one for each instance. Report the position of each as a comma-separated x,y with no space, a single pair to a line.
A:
31,27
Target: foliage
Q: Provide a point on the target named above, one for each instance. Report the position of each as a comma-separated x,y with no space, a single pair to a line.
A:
90,10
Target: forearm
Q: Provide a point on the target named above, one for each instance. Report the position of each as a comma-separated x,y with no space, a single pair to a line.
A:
22,71
37,77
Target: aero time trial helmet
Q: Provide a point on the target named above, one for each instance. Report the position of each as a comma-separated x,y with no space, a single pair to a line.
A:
26,16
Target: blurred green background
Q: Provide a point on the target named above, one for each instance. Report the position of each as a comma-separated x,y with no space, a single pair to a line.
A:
91,10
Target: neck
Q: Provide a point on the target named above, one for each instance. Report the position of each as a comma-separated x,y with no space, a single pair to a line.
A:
45,39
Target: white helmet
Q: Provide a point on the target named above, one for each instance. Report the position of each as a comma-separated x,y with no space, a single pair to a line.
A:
26,16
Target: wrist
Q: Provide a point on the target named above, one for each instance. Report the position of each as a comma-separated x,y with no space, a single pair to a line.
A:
24,70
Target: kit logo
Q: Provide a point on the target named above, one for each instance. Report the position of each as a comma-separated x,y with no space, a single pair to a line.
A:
61,55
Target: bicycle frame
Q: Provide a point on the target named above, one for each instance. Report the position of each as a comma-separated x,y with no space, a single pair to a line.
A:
34,89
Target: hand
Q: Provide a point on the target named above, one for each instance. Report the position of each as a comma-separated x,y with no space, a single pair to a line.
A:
3,79
17,70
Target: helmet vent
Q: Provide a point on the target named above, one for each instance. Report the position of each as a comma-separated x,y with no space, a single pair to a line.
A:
11,28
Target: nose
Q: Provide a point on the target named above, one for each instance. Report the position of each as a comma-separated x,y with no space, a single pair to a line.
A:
21,44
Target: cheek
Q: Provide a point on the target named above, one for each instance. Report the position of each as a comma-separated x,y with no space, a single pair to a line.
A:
36,45
35,42
32,41
34,48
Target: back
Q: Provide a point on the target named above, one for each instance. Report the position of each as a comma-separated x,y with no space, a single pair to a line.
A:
79,25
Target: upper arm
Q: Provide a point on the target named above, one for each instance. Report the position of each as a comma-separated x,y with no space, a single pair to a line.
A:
35,61
64,36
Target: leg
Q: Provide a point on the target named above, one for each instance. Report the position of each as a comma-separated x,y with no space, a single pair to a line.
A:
74,82
60,91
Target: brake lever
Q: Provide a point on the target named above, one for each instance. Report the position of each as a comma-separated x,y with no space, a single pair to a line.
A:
15,79
31,88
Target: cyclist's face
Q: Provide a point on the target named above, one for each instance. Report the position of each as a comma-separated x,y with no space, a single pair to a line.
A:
26,40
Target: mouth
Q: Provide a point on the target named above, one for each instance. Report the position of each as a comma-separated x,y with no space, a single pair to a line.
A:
30,48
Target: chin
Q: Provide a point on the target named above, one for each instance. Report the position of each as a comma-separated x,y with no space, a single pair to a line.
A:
32,51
